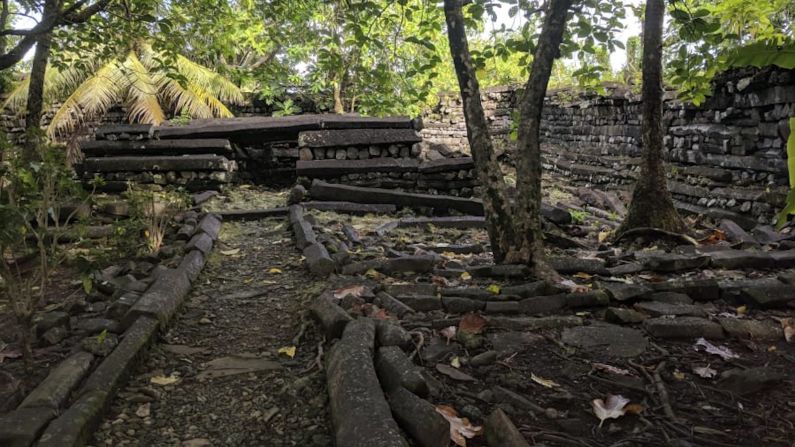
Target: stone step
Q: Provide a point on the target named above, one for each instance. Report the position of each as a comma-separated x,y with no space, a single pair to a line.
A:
357,137
161,163
109,148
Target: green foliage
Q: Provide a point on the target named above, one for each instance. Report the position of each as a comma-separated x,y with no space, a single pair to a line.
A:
578,216
704,35
762,54
150,214
789,207
286,107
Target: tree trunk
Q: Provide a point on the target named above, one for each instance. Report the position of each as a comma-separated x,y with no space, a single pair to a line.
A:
490,177
35,105
4,13
528,248
652,205
339,107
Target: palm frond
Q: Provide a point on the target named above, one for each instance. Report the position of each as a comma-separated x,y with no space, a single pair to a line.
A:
57,84
90,99
186,100
142,100
209,81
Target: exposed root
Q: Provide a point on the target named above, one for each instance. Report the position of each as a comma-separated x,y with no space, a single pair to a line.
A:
657,233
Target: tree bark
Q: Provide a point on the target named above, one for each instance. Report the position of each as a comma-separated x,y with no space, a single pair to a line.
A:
498,219
652,205
528,248
35,105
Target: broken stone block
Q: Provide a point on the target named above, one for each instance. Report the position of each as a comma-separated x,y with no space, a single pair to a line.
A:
697,289
419,419
657,309
740,259
683,327
670,298
736,234
421,303
749,381
671,262
620,315
542,304
752,329
570,265
500,431
462,305
624,292
396,370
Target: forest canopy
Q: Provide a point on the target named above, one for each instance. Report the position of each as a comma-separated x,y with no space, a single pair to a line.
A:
385,56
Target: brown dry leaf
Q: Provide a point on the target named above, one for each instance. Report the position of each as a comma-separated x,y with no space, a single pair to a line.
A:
164,380
440,281
547,383
714,238
634,409
472,323
448,333
602,236
460,428
231,252
356,290
613,408
742,310
144,410
679,375
380,314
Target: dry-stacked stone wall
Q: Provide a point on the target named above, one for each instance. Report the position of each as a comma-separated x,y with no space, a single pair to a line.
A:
726,154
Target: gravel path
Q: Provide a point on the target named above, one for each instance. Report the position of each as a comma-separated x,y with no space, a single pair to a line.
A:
283,404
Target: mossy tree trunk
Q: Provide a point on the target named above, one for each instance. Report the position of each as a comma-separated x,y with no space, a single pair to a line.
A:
652,204
495,203
528,248
38,71
515,231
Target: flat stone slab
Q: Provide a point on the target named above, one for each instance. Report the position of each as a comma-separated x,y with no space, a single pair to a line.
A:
620,315
357,137
446,164
331,168
327,191
606,339
761,330
624,292
568,265
108,148
658,309
683,327
740,259
533,324
672,262
161,163
696,289
54,391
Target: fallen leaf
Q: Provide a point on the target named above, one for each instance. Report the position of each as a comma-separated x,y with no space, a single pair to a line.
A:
453,373
714,238
472,323
547,383
613,408
494,288
355,290
164,380
634,409
379,314
788,324
460,428
275,271
144,410
455,362
724,352
611,369
679,375
289,351
705,372
602,236
582,275
372,274
742,310
466,276
231,252
448,333
197,442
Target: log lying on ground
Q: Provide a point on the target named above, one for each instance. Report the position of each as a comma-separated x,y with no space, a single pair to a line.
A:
162,299
336,168
359,412
419,419
318,259
330,192
332,317
160,163
108,148
357,137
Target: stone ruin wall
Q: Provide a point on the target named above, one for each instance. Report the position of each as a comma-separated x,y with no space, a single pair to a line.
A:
727,156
